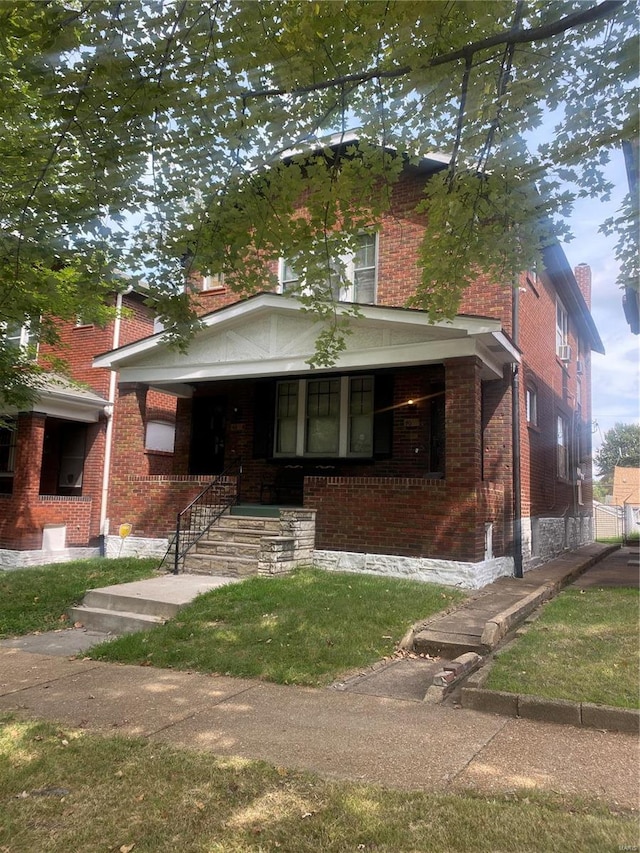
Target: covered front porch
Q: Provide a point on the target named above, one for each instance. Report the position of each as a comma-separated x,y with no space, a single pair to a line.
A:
51,475
400,447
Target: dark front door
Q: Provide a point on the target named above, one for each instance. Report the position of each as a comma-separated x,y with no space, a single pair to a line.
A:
208,423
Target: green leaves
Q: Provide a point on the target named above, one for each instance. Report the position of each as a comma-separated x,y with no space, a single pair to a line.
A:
135,134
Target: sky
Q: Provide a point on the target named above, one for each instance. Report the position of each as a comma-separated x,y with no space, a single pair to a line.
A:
614,376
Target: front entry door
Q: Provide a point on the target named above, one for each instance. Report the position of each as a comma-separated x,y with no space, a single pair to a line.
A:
208,426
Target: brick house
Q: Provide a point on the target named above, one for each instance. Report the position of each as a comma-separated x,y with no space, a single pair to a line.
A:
435,450
55,455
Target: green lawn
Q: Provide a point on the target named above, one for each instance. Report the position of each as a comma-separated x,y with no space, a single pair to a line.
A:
37,598
303,628
584,647
63,790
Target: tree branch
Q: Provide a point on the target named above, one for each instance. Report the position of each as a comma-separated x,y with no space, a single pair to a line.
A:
508,37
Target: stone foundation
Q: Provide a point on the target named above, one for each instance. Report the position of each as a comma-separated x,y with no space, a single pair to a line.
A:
546,538
134,546
10,560
446,572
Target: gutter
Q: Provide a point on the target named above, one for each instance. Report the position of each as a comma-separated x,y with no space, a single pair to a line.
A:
108,410
515,441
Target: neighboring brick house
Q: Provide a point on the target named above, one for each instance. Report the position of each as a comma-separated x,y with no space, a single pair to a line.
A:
407,448
53,456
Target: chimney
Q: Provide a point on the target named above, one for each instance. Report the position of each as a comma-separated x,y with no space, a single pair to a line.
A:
583,276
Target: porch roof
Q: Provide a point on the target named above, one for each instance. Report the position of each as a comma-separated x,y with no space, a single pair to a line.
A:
270,335
59,397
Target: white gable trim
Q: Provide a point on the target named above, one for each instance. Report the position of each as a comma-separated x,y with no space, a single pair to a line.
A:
269,335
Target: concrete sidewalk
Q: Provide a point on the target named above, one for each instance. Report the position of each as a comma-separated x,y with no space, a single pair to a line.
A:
397,743
376,731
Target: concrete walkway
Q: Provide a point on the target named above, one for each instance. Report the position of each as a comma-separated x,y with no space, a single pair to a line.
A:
346,734
393,742
490,614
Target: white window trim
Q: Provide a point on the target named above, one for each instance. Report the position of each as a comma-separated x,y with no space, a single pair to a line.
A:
347,260
22,338
562,446
301,422
213,282
531,404
562,328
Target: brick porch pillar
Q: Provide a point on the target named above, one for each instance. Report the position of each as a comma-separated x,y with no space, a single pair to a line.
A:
26,480
463,412
463,461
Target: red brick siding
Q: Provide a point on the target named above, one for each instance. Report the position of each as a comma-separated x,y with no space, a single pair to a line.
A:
543,493
24,513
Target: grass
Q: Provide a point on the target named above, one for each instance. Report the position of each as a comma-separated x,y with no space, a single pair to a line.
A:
63,790
304,628
583,647
36,598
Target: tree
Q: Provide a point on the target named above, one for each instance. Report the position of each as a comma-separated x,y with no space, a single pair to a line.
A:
620,446
176,116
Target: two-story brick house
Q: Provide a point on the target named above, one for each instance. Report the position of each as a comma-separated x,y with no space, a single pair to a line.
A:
409,450
55,455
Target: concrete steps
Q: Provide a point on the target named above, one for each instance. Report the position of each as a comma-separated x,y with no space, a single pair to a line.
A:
139,605
215,564
232,546
119,613
111,621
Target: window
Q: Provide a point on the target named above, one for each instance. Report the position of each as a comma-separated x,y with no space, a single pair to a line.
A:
562,328
352,277
562,447
329,417
7,457
160,436
17,335
531,398
213,282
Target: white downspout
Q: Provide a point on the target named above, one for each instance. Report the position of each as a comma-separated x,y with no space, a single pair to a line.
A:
108,439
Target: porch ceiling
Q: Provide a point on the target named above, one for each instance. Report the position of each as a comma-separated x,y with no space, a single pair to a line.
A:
269,335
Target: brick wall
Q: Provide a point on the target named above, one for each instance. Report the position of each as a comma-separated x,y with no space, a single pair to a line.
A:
24,513
555,383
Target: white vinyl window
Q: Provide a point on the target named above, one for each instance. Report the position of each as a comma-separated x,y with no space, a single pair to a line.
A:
213,282
18,335
352,277
562,328
562,447
531,397
330,417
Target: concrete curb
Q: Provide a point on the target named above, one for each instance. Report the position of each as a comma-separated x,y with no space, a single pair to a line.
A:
451,675
584,714
498,627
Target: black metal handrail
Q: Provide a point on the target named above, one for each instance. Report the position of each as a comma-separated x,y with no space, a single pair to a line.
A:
205,509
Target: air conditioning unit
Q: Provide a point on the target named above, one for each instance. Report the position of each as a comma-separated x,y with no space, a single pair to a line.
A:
564,352
579,367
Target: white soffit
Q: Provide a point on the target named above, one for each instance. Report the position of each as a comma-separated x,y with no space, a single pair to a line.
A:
269,335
